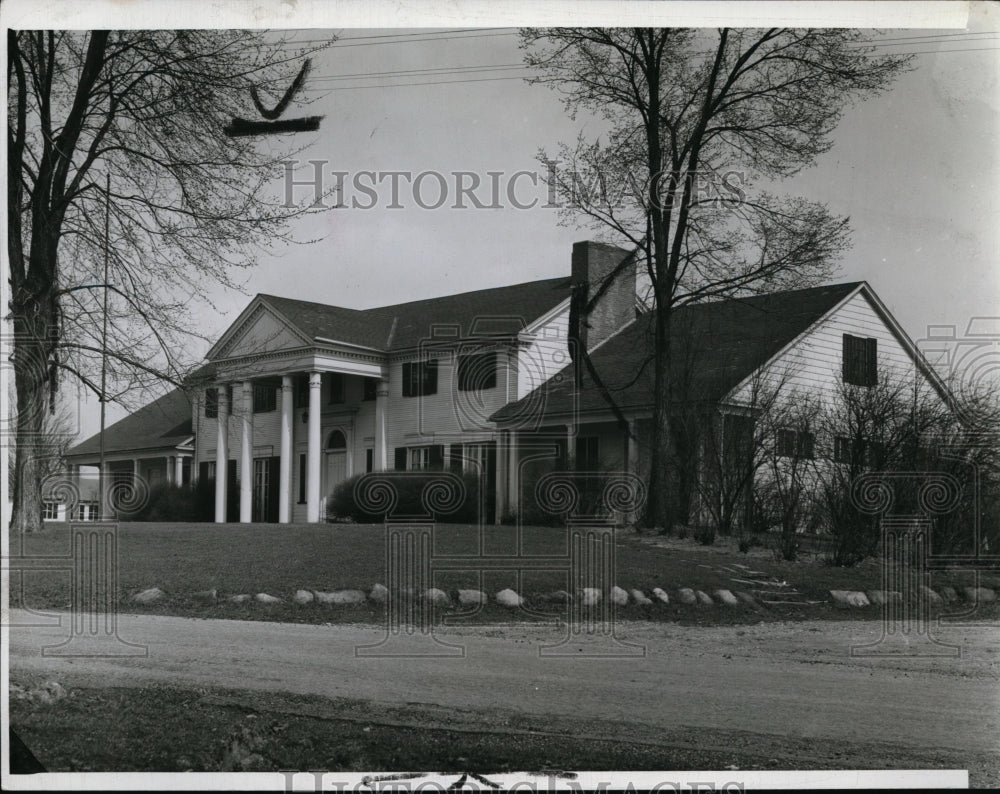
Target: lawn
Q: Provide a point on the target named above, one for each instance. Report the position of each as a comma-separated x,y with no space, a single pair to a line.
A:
182,559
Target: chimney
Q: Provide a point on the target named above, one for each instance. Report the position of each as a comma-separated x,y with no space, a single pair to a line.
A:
592,264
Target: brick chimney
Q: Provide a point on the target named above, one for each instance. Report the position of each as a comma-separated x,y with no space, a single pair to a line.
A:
592,263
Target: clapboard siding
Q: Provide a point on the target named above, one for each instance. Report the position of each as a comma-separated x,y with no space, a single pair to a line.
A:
544,356
814,364
448,414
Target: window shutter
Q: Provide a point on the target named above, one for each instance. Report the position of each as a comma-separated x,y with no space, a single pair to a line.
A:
455,458
430,378
400,458
871,362
436,459
407,379
203,471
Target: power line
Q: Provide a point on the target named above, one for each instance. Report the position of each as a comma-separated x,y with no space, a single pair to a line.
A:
437,69
337,45
405,85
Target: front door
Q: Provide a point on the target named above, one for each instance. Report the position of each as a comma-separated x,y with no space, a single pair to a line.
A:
336,470
265,490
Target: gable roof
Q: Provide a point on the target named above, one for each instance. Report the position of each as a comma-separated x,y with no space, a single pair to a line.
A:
715,346
405,325
165,422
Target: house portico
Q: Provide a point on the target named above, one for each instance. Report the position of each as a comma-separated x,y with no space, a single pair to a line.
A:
274,392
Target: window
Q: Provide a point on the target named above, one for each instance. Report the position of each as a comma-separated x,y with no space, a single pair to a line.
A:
265,398
420,378
795,443
860,360
50,511
587,454
371,389
337,381
369,460
843,449
846,450
420,458
302,479
477,371
211,403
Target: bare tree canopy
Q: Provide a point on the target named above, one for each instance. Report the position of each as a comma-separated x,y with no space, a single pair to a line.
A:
128,123
699,124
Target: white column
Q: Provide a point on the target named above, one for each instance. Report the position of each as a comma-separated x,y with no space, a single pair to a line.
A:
570,448
135,470
513,474
313,451
381,399
221,456
501,474
246,453
178,470
285,451
168,461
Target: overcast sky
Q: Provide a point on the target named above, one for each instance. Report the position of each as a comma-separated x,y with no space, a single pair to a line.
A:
916,170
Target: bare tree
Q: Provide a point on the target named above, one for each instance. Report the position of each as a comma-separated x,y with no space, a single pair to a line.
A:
116,148
689,115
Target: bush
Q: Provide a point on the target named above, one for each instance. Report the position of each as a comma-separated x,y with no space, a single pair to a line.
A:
341,504
169,502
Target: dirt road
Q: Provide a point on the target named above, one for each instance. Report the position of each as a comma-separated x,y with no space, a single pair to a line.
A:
791,680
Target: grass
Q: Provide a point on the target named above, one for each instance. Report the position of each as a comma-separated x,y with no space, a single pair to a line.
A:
182,559
169,729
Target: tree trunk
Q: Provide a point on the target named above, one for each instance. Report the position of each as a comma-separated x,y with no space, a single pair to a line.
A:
660,503
29,447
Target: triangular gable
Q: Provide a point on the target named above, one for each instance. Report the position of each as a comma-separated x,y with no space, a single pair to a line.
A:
890,323
259,329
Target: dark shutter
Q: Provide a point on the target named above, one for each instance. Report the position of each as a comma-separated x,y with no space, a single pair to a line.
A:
436,457
408,390
455,458
273,488
232,491
302,479
400,458
871,362
203,471
490,483
430,377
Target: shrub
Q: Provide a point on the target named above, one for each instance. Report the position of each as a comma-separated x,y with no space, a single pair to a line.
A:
169,502
342,504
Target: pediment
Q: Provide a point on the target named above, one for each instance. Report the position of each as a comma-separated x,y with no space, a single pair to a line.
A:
258,331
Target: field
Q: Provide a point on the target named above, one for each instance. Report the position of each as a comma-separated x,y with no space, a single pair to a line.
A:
183,559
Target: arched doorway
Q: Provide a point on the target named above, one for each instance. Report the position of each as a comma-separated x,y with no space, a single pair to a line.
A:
336,460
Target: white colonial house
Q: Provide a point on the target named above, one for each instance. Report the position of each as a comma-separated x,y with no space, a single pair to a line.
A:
296,396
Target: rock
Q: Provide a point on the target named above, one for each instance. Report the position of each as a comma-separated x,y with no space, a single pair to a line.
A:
948,594
303,597
857,599
438,598
747,599
264,598
590,596
618,596
687,596
239,599
206,595
932,598
840,598
341,597
509,598
640,598
472,598
979,595
703,598
379,594
877,597
150,596
661,594
726,597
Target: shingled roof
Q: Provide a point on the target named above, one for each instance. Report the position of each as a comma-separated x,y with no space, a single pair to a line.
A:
405,325
163,423
715,346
